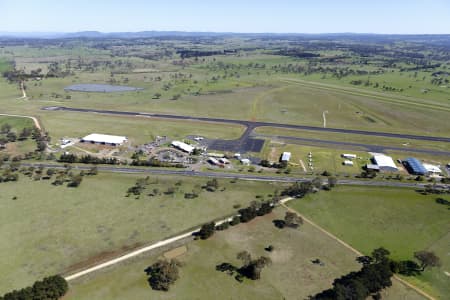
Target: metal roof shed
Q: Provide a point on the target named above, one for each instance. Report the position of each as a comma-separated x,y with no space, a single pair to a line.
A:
415,166
385,163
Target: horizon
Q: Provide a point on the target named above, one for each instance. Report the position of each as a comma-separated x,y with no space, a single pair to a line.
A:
258,17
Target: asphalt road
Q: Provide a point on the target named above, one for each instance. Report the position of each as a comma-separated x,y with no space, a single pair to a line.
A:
252,125
241,176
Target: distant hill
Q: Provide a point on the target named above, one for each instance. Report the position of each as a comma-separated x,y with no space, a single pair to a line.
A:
152,34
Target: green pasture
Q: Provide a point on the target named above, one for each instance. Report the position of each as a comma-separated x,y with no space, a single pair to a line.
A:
292,275
401,220
58,229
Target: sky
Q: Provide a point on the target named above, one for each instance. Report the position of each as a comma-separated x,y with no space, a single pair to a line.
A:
254,16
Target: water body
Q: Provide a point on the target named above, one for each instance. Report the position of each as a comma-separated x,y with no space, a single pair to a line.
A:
100,88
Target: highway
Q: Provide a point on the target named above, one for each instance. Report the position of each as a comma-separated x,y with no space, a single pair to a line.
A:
224,175
249,124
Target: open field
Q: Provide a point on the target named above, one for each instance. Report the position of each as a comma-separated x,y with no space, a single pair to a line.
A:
78,226
400,220
257,94
291,275
397,84
17,124
138,129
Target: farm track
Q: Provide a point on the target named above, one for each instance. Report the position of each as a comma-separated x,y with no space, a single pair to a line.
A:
191,232
35,120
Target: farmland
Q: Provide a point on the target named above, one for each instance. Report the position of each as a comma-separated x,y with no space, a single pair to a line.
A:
383,84
400,220
291,275
96,220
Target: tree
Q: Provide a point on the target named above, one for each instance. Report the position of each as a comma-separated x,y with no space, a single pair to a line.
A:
207,230
380,254
75,181
162,274
212,185
5,128
25,133
11,136
427,259
292,220
156,96
254,267
50,288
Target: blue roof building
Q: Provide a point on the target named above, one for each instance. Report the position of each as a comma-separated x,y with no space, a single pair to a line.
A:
414,166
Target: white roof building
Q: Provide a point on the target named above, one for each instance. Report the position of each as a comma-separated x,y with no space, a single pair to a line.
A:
386,163
432,169
105,139
246,161
224,160
183,146
348,155
348,163
213,161
286,156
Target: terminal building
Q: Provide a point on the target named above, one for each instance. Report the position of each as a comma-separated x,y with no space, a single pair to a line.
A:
183,146
104,139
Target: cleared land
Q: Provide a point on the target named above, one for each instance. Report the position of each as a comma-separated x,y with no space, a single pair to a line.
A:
291,276
79,226
138,129
400,220
17,124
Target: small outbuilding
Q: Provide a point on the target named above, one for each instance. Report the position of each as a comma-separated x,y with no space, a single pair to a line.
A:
104,139
213,161
347,163
348,156
286,156
245,161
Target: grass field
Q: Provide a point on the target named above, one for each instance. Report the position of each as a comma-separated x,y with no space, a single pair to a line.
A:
400,220
56,227
17,124
138,129
291,275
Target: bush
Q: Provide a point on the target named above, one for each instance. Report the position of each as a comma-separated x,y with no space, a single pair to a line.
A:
207,230
50,288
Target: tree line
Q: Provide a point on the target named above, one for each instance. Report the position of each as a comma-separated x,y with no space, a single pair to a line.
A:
50,288
375,275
